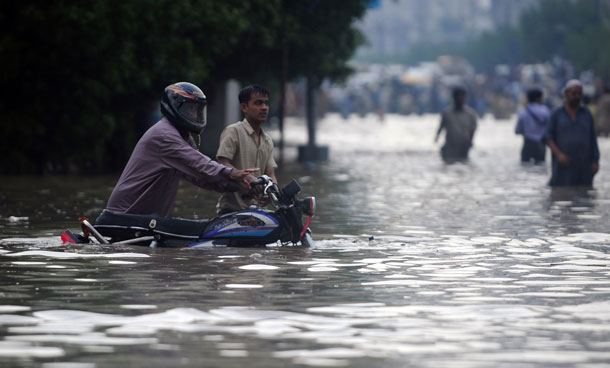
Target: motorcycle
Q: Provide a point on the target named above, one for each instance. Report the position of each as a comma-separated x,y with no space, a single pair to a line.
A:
253,227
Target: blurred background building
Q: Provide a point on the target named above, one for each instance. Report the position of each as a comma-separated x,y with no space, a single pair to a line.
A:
394,26
416,51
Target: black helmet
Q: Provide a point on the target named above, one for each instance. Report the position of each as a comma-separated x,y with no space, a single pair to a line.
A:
184,105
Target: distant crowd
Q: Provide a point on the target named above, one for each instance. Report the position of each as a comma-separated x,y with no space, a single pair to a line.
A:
427,88
551,105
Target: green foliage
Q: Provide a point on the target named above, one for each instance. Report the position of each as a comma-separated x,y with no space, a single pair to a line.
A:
77,73
321,35
563,28
313,38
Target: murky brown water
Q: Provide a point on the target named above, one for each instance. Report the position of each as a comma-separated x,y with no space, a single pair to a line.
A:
417,264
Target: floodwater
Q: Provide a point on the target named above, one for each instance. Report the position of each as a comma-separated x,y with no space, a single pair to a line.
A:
417,264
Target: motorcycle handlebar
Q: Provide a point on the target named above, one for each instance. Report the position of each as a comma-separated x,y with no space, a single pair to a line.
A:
264,179
256,182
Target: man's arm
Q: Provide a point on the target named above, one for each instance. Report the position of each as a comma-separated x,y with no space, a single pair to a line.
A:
561,157
474,126
549,139
227,146
177,153
245,178
202,171
228,163
520,123
440,127
225,161
270,172
594,168
594,146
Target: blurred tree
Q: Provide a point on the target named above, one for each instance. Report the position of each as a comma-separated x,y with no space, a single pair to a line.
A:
319,44
287,39
307,36
76,74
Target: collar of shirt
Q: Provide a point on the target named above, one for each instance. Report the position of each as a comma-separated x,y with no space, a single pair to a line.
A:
248,127
581,107
251,131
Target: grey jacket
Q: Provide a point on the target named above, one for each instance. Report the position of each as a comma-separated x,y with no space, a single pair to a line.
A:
149,182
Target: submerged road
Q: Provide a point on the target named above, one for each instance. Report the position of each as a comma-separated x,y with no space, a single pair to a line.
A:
417,264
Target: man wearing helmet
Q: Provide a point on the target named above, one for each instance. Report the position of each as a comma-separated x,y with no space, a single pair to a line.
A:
166,153
245,144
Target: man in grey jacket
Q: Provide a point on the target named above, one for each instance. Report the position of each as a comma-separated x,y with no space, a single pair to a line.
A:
166,153
460,122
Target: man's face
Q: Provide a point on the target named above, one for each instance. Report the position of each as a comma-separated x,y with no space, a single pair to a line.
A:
193,111
574,96
257,109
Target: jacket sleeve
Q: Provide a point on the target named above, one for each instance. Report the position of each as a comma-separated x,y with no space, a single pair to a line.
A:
519,127
194,165
218,186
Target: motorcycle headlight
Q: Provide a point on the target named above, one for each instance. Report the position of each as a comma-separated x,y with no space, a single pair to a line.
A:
309,206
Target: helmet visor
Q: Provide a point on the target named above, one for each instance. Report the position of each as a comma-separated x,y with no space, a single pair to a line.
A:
193,111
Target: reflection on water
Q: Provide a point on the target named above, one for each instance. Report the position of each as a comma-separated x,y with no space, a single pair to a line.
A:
417,264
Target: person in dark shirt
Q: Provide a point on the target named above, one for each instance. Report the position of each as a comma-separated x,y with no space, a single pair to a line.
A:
167,153
571,136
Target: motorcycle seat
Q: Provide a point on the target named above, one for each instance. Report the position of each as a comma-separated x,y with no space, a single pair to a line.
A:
109,222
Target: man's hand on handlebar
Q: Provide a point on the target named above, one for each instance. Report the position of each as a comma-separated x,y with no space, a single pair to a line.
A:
257,187
256,191
244,178
243,175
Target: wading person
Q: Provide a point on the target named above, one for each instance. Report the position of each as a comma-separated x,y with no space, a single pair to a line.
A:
531,123
166,153
571,137
245,144
459,122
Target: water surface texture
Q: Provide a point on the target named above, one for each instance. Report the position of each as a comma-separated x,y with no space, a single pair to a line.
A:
417,264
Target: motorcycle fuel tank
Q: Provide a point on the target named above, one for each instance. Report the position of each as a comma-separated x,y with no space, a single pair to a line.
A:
246,224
